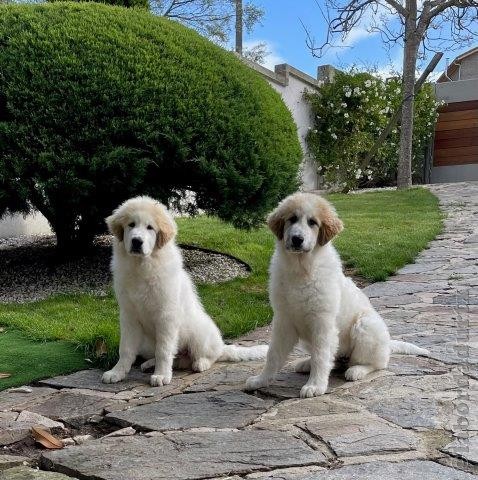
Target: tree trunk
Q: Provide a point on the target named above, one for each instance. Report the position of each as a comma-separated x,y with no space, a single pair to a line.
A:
404,174
239,25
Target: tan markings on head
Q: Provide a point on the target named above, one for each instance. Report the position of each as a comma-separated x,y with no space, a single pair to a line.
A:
286,209
115,223
165,225
330,223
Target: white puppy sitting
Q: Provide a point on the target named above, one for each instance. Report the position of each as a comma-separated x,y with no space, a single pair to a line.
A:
315,303
160,312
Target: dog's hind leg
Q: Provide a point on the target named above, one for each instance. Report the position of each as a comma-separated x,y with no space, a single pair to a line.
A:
148,364
302,366
370,346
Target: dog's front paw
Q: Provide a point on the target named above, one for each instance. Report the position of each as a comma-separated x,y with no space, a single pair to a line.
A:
112,377
160,380
308,391
255,382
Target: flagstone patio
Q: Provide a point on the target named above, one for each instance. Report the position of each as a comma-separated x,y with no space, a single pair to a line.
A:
416,420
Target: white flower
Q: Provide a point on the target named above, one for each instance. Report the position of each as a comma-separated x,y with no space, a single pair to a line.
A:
314,130
398,90
368,83
357,91
334,136
346,115
358,173
348,93
343,104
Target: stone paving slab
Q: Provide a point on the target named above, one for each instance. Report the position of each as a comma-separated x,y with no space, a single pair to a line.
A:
231,376
91,379
72,408
465,448
408,470
356,434
10,400
408,365
13,431
194,410
9,461
182,456
411,411
26,473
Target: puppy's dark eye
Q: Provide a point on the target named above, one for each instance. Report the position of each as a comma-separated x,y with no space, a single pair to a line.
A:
293,219
312,222
149,227
131,225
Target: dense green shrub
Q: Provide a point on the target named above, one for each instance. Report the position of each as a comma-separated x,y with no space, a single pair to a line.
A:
119,3
349,114
99,103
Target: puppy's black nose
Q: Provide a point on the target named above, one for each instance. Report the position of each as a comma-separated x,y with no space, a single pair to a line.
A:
136,244
297,241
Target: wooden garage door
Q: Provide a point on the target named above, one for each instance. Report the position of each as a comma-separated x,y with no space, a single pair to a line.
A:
456,134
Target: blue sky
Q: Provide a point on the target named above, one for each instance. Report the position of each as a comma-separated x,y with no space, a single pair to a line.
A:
281,29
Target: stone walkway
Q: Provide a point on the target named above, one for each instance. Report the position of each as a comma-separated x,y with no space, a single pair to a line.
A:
417,420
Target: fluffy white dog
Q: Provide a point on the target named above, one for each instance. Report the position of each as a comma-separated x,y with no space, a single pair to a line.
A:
161,315
315,303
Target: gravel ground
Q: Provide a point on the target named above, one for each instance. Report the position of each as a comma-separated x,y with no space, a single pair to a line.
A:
31,272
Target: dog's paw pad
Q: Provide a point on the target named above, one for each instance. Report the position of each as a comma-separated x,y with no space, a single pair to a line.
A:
253,383
309,391
357,372
111,377
201,364
159,380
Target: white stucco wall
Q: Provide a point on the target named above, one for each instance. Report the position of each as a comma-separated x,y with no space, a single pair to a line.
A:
459,91
291,84
292,94
16,225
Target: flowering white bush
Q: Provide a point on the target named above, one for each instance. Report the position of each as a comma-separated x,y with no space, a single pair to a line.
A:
349,115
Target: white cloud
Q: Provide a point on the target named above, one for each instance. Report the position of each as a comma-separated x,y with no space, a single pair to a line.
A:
272,59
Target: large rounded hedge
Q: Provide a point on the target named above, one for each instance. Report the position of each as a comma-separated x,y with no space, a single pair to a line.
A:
99,103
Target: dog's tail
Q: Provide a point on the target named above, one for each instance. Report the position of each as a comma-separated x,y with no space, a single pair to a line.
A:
397,346
236,353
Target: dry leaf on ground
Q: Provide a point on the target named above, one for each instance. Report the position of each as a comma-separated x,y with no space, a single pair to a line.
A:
5,375
46,439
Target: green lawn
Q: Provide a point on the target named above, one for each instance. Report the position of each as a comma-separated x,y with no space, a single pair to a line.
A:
26,361
383,231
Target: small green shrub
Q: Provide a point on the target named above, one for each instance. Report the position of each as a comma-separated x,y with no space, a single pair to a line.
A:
100,103
350,113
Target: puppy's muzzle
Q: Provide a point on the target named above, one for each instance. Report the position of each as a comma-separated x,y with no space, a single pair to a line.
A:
136,245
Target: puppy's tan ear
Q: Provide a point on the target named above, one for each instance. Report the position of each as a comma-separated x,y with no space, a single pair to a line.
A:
115,225
330,225
166,228
276,222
